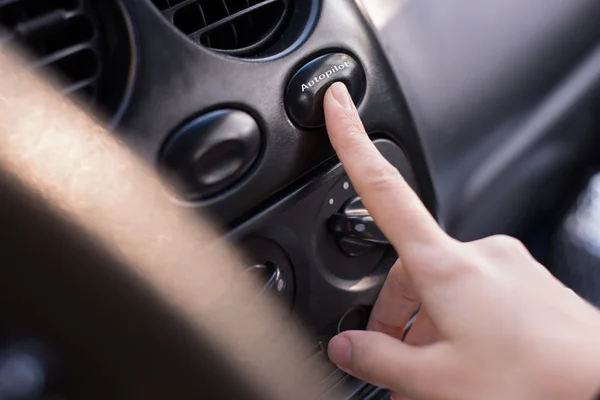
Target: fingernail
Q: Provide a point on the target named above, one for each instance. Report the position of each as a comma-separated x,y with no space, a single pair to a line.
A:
339,351
341,95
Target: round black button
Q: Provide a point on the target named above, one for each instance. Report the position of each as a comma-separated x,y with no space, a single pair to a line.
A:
306,90
211,153
355,319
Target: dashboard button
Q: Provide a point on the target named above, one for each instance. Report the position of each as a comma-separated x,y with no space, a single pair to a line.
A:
355,319
306,90
211,153
355,229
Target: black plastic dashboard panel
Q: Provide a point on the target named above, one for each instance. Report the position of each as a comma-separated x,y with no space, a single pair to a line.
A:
296,174
332,291
178,81
328,282
285,199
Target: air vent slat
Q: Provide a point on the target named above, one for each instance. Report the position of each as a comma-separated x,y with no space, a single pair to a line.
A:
231,26
59,32
240,27
60,54
46,38
250,19
85,43
77,86
13,13
170,11
42,21
248,11
206,39
224,3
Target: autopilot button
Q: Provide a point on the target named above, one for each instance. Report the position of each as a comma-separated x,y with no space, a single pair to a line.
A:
306,90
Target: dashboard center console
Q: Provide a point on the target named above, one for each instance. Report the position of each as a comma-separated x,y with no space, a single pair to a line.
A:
241,136
225,99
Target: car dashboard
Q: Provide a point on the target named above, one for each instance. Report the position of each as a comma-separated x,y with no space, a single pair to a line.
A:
224,99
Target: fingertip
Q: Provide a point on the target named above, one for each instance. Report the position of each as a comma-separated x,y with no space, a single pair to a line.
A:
334,111
339,106
340,94
340,351
373,357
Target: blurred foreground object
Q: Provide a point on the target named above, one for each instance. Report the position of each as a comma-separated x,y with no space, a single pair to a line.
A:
136,294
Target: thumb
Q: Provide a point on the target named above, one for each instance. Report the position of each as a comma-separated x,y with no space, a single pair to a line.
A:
384,361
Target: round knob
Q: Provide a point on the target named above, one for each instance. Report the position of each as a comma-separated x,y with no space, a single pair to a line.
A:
306,90
211,153
355,229
274,280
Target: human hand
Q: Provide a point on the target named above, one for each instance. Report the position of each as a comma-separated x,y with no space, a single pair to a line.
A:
494,323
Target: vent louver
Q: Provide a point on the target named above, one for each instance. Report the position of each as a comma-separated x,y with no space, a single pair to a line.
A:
67,37
61,34
237,27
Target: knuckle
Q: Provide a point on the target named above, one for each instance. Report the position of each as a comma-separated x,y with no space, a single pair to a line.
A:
400,282
457,264
507,241
355,125
354,139
505,244
397,275
462,268
380,175
352,125
419,217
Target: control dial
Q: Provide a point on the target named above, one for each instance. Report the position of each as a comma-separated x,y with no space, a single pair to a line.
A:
355,229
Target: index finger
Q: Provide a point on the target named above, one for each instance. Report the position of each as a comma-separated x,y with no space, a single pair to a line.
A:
395,207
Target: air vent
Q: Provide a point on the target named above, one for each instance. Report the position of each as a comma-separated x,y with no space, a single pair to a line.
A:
68,37
237,27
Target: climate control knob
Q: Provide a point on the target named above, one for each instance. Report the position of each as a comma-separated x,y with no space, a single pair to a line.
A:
355,229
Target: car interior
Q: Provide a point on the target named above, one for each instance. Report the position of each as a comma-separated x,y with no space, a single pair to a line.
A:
490,110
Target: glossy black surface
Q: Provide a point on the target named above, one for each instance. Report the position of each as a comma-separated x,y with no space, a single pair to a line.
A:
305,93
211,153
355,229
271,265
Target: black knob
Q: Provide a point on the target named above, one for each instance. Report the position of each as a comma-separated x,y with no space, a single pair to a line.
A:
211,153
272,276
355,229
306,90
